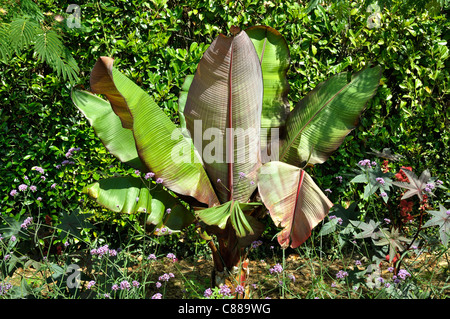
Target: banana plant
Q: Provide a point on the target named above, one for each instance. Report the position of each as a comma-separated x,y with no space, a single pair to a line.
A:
238,153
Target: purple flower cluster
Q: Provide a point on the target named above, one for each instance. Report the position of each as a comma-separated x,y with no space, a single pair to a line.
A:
367,163
72,150
276,269
341,274
26,222
4,288
225,290
38,168
104,250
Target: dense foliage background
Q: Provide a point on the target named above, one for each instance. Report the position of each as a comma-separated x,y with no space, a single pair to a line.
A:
157,43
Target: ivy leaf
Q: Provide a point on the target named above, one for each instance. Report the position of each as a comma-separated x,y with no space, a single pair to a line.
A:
415,185
368,229
440,218
375,180
392,238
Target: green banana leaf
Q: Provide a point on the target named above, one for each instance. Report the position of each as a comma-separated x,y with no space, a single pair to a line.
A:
159,143
108,127
224,100
274,56
320,121
183,98
130,195
295,203
232,211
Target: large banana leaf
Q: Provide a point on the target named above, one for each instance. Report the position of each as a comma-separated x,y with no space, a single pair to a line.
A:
159,142
224,100
273,53
295,203
130,195
320,121
108,127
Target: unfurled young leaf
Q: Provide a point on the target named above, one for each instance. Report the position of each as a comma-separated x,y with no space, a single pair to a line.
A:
415,185
440,218
392,238
232,211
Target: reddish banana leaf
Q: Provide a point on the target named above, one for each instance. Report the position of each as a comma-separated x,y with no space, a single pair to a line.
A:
273,53
159,142
296,204
224,101
319,123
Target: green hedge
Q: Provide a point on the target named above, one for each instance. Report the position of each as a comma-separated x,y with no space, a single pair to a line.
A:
158,43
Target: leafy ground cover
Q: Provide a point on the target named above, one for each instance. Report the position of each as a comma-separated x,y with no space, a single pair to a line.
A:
49,153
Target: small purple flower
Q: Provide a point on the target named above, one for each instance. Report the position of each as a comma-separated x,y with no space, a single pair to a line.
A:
124,284
39,169
23,187
159,180
112,252
341,274
53,186
291,277
115,287
157,296
13,193
219,180
137,172
339,178
13,238
403,274
380,180
135,283
208,293
256,243
358,263
239,289
277,269
33,188
387,220
164,277
151,257
383,194
225,290
168,210
172,256
158,284
90,284
241,175
149,175
328,190
39,199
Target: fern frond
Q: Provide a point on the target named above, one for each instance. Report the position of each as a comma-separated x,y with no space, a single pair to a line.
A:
5,46
22,33
50,49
